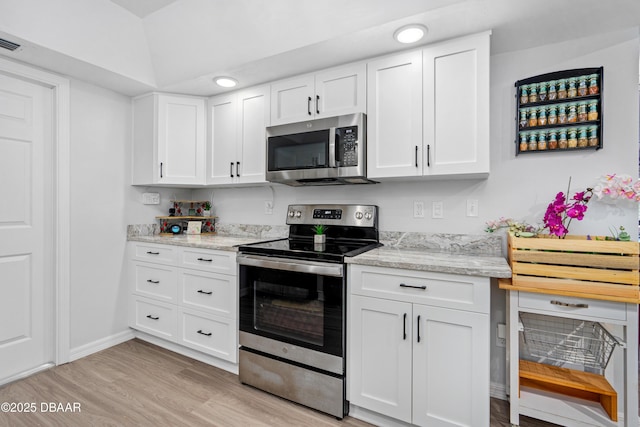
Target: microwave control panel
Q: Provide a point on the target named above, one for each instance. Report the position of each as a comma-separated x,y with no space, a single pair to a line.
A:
347,146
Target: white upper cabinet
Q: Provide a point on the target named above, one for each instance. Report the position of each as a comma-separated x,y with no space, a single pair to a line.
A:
328,93
428,111
169,140
456,107
394,116
237,130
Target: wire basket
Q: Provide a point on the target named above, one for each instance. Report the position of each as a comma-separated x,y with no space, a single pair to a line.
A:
558,339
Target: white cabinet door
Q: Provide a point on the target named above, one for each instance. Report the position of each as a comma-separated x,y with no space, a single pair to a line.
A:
181,140
168,140
450,367
394,116
222,150
341,91
292,100
253,118
456,107
380,356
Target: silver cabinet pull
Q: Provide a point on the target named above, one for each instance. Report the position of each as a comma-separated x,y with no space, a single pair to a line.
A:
566,304
152,317
317,104
423,287
309,105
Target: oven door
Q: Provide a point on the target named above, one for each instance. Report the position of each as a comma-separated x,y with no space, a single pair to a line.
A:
301,303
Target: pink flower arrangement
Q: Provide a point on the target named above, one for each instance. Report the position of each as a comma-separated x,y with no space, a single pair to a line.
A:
560,212
617,187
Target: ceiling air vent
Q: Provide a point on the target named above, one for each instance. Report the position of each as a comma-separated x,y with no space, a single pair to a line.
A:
6,44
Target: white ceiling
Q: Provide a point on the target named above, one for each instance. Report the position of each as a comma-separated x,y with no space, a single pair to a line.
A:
181,44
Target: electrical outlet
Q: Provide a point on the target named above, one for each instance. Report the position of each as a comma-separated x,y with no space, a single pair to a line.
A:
418,209
150,198
472,207
501,335
437,210
268,207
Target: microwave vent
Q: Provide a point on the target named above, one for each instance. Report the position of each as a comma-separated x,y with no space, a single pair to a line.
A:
6,44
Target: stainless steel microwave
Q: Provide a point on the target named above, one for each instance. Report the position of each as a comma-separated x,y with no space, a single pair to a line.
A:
318,152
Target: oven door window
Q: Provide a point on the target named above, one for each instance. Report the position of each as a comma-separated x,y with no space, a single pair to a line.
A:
309,150
297,308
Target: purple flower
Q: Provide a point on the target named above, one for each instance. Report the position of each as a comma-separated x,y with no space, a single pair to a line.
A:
560,212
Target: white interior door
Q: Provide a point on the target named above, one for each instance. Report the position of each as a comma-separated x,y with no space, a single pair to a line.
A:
26,279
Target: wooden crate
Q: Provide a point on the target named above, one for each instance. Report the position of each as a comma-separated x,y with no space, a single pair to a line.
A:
575,266
583,385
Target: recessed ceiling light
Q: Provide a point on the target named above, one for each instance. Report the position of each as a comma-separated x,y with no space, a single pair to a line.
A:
225,81
410,33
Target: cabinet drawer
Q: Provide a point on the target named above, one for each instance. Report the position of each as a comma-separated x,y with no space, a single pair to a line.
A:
217,261
155,281
163,254
213,292
572,306
154,317
217,336
443,290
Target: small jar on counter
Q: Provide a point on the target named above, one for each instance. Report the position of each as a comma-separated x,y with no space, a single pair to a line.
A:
572,89
542,91
572,137
594,89
594,141
582,136
553,140
542,140
592,114
582,111
552,117
572,112
562,88
582,86
562,113
562,139
524,141
533,141
533,116
524,122
542,115
533,92
552,93
524,94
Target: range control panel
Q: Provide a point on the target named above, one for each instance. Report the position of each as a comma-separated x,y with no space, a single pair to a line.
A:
348,215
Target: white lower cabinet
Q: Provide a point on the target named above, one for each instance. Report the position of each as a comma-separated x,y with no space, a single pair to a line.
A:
413,360
190,298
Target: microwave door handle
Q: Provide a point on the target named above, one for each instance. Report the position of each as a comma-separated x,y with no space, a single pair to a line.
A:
332,147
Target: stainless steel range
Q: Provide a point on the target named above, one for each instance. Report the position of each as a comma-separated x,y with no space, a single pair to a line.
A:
293,305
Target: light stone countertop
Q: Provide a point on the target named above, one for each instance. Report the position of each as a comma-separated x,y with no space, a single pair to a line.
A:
441,262
217,242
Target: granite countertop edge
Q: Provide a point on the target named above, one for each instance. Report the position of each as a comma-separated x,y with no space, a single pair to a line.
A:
454,254
439,262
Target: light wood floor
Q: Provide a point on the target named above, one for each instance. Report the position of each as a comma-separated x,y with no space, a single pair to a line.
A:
139,384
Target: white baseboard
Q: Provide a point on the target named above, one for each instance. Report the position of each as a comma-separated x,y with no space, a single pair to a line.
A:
25,374
99,345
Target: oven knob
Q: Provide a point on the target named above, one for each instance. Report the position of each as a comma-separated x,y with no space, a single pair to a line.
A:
298,214
290,214
368,216
358,215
